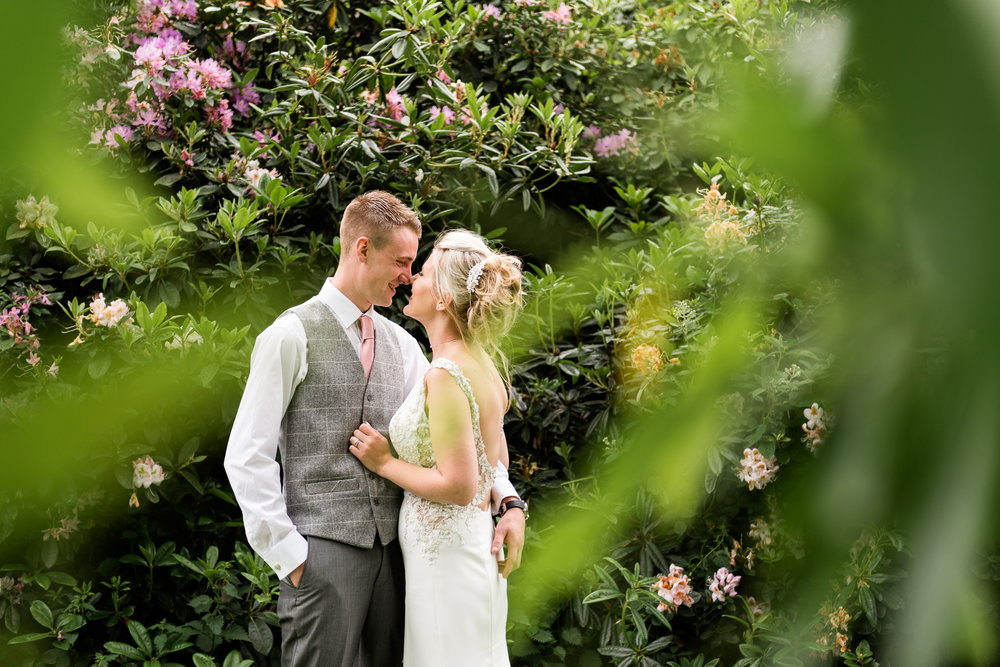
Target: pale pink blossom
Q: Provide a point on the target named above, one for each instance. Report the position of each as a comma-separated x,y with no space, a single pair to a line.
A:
613,144
674,588
560,15
490,11
445,111
723,584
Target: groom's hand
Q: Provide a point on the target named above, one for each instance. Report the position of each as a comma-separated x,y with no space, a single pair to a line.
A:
509,531
296,575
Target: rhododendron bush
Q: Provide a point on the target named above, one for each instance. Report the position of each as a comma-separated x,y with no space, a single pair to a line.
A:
679,388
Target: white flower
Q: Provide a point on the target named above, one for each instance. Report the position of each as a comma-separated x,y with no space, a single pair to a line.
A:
146,472
36,214
813,415
104,315
756,471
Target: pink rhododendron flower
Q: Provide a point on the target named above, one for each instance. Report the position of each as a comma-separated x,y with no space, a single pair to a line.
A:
220,114
674,588
613,144
723,584
122,131
560,15
491,11
445,111
244,97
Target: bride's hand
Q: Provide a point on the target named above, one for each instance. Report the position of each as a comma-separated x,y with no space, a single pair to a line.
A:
370,447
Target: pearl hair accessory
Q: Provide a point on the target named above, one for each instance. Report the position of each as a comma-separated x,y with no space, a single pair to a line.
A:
472,281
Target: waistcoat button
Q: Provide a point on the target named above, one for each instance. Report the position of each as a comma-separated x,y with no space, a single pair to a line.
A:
370,397
375,501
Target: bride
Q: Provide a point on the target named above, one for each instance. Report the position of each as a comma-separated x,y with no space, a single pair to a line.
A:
449,437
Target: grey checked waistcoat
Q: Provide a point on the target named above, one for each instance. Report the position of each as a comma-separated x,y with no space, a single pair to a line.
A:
327,491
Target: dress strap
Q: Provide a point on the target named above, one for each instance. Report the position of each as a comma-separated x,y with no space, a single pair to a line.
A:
463,382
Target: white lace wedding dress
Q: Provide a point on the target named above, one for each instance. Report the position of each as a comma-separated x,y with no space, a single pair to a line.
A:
456,600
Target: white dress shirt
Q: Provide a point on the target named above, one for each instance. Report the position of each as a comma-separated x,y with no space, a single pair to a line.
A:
277,366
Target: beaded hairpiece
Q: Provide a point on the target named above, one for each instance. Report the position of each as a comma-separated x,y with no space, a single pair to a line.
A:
472,280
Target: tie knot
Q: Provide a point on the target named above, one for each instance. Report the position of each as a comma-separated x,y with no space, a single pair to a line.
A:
367,328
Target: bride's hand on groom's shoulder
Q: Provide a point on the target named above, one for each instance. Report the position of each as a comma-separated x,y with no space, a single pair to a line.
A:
370,447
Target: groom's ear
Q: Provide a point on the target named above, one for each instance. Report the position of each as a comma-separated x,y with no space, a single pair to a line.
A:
361,248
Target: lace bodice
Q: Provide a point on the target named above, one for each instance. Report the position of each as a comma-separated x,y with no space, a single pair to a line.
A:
430,523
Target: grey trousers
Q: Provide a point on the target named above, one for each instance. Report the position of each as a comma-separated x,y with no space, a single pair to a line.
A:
347,610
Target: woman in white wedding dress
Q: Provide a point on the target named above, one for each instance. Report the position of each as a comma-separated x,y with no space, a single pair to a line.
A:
448,434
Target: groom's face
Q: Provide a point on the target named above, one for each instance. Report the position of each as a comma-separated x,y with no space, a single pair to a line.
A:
388,267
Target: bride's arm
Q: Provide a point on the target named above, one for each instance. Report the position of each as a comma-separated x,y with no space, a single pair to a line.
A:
454,479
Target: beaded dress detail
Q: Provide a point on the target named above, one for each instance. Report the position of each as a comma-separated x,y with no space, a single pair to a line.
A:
429,524
456,599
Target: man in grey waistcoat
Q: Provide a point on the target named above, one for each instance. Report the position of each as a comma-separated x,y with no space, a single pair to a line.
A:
325,525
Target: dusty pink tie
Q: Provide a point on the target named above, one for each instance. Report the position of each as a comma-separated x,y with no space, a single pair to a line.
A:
367,343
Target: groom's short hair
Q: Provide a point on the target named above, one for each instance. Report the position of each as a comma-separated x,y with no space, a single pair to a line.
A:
376,215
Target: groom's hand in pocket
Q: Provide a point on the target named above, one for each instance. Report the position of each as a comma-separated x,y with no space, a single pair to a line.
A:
295,576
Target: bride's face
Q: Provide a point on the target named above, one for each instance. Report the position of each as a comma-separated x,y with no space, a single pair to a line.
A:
423,300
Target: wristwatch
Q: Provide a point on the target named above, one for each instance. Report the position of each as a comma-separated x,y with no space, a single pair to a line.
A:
514,502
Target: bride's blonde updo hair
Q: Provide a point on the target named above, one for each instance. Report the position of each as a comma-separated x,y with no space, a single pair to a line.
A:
485,304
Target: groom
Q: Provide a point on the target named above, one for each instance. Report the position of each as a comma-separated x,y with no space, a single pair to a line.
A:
325,525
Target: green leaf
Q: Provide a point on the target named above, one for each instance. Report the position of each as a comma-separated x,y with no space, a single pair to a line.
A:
41,613
260,635
601,595
32,637
119,648
141,637
202,660
99,366
867,601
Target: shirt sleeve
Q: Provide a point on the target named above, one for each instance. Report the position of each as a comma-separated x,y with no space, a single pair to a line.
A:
502,488
277,366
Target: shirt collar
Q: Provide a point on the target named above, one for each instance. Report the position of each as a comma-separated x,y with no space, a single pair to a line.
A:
343,308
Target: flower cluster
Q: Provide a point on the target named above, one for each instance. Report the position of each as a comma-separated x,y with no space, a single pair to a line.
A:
167,72
184,340
835,629
489,11
67,526
15,320
32,214
674,588
560,16
722,228
760,531
647,359
612,144
146,472
723,583
10,588
104,315
395,104
756,470
814,427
